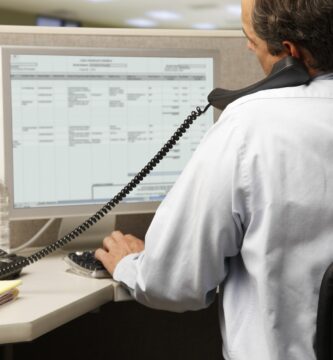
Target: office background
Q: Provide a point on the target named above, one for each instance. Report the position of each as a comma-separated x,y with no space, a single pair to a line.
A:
185,14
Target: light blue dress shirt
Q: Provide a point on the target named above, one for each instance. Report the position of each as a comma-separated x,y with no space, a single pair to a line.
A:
252,212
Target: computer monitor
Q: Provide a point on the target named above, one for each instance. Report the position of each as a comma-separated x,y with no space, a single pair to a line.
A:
78,124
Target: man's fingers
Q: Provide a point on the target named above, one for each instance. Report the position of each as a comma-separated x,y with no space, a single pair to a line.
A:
117,246
118,238
107,242
134,243
117,235
131,237
100,254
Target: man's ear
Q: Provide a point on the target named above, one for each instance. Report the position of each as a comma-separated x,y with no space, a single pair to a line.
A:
292,50
301,54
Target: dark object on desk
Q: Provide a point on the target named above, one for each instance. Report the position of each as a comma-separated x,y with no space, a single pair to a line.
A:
10,260
84,263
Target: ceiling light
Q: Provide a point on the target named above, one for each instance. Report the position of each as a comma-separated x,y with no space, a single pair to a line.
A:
204,26
235,10
164,15
141,22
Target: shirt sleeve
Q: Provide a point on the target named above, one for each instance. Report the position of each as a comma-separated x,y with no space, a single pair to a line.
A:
195,230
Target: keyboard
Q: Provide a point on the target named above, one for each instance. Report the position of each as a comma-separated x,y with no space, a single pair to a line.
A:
84,263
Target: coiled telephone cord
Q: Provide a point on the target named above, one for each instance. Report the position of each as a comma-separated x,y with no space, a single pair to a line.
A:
13,267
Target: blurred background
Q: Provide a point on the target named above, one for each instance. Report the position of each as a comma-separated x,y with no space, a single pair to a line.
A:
154,14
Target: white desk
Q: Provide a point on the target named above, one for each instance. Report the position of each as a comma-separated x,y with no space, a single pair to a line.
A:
51,296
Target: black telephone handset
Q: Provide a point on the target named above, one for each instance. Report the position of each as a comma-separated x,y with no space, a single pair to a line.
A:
286,72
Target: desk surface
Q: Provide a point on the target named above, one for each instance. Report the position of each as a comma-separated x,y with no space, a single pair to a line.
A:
50,296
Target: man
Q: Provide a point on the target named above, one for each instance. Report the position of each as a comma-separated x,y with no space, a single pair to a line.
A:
253,209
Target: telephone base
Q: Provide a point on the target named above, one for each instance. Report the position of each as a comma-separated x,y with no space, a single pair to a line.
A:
5,261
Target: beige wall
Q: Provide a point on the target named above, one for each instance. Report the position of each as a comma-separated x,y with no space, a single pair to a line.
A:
238,69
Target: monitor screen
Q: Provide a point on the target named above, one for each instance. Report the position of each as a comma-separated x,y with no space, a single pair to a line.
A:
55,21
80,123
48,21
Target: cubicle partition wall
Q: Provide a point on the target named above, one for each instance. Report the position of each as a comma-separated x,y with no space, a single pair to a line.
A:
239,68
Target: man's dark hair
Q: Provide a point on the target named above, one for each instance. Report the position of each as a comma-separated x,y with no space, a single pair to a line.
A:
307,23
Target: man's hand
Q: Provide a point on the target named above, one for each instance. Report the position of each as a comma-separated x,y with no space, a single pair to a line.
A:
115,247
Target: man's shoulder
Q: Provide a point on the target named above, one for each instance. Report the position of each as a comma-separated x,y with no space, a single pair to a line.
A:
260,114
266,97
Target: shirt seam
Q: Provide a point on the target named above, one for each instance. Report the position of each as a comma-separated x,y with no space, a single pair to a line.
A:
245,176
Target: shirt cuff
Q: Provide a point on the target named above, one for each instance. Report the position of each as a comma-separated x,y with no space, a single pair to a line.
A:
126,270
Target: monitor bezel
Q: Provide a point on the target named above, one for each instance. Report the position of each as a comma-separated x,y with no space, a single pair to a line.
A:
86,209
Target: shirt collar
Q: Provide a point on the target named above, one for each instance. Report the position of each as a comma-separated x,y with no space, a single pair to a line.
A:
325,76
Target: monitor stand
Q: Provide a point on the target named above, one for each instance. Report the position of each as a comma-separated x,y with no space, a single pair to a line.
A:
91,238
